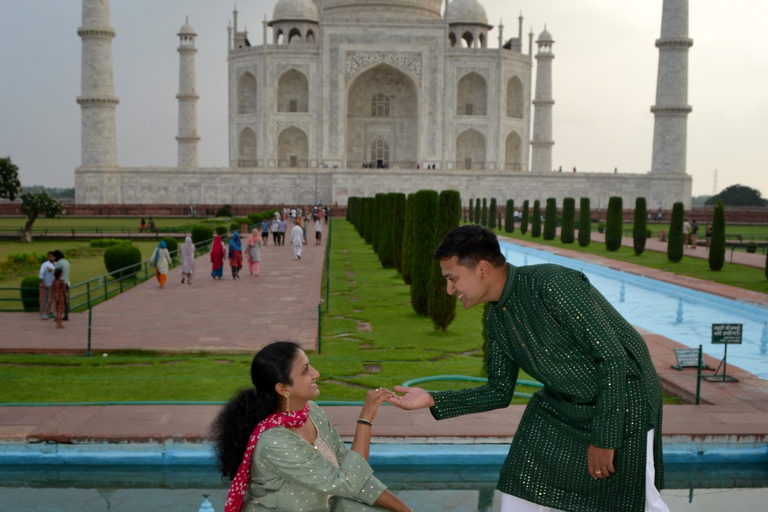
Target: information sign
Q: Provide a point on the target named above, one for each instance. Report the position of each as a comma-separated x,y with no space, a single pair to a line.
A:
726,334
687,358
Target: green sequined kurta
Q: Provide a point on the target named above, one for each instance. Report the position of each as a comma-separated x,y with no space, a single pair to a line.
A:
290,475
600,388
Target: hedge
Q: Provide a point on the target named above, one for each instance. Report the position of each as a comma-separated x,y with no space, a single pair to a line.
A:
201,234
536,221
108,242
585,222
441,306
477,211
379,216
569,215
524,219
675,244
30,293
640,227
120,256
221,230
398,206
614,223
407,251
492,214
387,232
471,211
717,245
423,246
509,218
550,219
370,216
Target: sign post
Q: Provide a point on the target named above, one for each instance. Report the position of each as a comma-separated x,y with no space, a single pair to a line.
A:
725,334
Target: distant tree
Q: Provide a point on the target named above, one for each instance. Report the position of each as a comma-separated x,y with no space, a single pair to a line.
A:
700,200
54,192
536,221
477,211
509,218
569,213
550,219
407,251
492,214
738,195
34,205
717,245
640,227
524,219
442,307
614,224
423,243
484,213
397,229
585,222
471,211
10,186
675,244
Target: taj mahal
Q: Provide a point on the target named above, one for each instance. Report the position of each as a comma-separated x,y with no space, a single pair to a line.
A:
346,98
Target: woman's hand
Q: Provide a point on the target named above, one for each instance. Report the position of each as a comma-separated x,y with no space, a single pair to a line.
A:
414,398
373,401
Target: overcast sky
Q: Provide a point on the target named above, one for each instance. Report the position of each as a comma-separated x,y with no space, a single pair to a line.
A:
604,83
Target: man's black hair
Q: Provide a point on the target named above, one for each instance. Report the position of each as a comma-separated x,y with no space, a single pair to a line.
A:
58,254
470,243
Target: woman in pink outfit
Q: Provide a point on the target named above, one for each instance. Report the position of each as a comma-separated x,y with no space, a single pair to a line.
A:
254,252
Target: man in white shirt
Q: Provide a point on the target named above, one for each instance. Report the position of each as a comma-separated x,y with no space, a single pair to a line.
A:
297,240
686,230
46,280
318,230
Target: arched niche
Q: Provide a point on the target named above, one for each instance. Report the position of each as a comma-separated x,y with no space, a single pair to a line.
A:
470,150
247,94
293,148
515,98
246,148
513,152
293,92
472,96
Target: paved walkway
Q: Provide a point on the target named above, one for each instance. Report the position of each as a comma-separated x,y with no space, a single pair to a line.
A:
217,315
731,413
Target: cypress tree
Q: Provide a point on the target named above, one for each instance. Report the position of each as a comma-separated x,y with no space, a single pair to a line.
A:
442,307
550,219
498,220
524,219
484,213
569,214
640,227
536,221
471,212
386,232
717,245
675,244
407,249
352,210
492,214
477,211
585,222
398,229
509,218
423,246
362,222
349,207
614,224
378,216
370,212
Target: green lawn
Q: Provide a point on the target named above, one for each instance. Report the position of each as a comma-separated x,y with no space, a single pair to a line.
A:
105,223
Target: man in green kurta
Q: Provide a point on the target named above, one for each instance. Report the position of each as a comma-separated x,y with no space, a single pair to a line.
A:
590,440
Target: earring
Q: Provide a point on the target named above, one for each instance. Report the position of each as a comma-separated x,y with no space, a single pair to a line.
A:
287,401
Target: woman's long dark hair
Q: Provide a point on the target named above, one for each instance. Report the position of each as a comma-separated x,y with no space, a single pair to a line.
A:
235,423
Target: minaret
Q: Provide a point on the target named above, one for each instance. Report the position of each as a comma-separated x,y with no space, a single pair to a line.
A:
670,130
187,97
542,114
97,98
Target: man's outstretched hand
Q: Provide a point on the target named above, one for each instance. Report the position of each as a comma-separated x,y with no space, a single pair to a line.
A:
413,398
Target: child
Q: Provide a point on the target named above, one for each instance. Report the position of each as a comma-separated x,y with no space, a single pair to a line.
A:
59,292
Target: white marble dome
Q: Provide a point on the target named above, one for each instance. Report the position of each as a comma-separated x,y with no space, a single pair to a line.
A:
186,29
292,10
545,37
372,10
466,11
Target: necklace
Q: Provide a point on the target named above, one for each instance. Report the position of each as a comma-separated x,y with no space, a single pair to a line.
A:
311,440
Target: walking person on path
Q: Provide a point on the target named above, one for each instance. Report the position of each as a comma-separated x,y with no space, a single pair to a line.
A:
282,228
686,232
318,231
59,296
280,452
161,260
265,231
591,438
254,253
276,229
694,234
46,280
63,264
235,255
217,258
297,240
187,260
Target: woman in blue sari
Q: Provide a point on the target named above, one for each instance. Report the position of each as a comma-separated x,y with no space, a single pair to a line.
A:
235,255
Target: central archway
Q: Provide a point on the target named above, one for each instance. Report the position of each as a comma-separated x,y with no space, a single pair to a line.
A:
382,108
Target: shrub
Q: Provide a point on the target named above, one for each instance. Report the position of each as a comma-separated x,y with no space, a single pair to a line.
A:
441,306
171,244
407,251
676,242
484,213
423,245
498,220
255,218
379,217
640,227
585,223
398,207
201,234
601,226
224,211
221,230
717,245
751,247
614,224
362,214
234,226
524,219
387,232
370,215
471,212
569,215
121,256
477,211
30,293
492,214
108,242
550,219
536,221
509,218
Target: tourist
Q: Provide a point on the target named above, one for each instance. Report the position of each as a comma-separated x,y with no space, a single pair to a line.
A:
235,255
59,296
303,224
63,264
46,280
187,260
318,230
694,234
217,257
265,230
591,439
142,226
152,227
276,229
161,260
280,450
254,253
708,234
686,232
297,240
282,227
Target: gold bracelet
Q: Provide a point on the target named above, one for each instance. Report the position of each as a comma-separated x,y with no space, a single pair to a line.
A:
364,421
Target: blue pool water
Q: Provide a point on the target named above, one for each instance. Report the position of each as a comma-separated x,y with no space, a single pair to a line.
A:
653,305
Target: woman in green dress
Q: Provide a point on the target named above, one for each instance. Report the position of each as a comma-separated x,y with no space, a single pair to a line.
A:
281,452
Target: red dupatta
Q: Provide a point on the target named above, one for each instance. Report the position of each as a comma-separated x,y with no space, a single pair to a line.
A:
217,253
240,482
